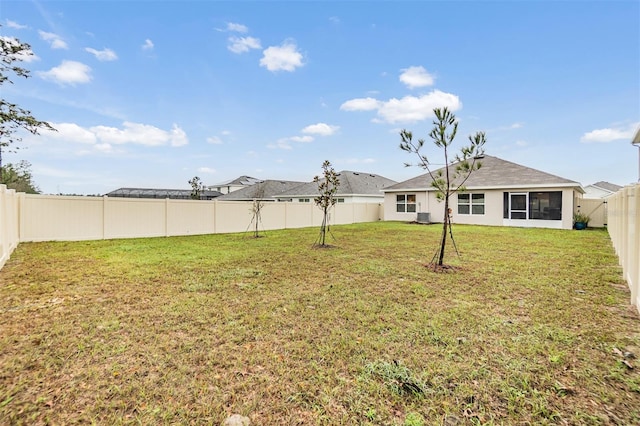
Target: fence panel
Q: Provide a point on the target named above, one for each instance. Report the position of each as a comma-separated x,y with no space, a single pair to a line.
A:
51,218
596,209
134,217
624,229
9,223
190,217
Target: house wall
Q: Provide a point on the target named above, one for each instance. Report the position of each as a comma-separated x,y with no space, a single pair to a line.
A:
346,198
624,229
493,215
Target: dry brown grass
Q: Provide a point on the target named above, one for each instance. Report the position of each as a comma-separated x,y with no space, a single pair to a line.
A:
190,330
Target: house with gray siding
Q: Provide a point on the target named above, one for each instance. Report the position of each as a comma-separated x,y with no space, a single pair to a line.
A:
500,193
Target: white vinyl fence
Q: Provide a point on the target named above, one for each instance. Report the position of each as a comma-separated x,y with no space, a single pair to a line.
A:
27,217
624,229
9,223
596,209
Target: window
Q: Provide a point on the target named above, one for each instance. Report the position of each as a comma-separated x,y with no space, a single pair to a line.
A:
341,200
533,205
303,200
470,203
406,203
545,205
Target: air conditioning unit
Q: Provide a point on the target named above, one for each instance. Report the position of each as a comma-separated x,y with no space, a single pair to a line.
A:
424,218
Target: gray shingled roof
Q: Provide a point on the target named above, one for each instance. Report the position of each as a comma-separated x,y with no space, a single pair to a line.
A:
608,186
351,183
263,190
494,173
242,180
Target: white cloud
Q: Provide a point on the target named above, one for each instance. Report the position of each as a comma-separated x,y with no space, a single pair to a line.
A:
178,136
15,25
103,55
406,110
71,132
414,77
243,44
282,58
25,55
280,144
238,28
148,45
214,140
285,143
226,132
104,147
207,170
303,139
322,129
68,72
334,20
54,40
361,104
103,138
610,134
516,126
521,143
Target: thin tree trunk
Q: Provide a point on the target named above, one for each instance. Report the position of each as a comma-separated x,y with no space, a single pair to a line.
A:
323,228
444,230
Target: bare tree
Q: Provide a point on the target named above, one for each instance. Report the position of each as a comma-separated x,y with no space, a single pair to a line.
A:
327,187
256,210
452,177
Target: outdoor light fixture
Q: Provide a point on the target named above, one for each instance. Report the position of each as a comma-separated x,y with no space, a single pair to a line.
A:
636,142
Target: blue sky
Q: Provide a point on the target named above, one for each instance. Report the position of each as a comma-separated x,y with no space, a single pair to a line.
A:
152,93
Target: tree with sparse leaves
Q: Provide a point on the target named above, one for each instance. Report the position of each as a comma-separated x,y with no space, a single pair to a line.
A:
196,187
18,177
12,117
452,177
256,209
327,187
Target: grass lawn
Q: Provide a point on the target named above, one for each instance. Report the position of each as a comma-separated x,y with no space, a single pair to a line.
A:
531,328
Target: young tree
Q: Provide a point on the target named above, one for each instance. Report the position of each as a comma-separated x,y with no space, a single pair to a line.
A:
18,177
452,177
196,187
256,210
13,117
327,187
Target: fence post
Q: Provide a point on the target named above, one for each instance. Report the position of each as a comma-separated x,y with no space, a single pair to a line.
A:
634,247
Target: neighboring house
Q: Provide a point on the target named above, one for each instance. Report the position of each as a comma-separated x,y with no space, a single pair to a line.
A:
176,194
267,190
500,193
355,187
234,185
600,190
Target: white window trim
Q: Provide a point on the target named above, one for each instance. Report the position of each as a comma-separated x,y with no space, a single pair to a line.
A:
471,203
406,203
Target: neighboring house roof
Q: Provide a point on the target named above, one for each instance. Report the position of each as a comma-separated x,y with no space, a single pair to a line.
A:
351,183
183,194
263,190
494,173
611,187
242,180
